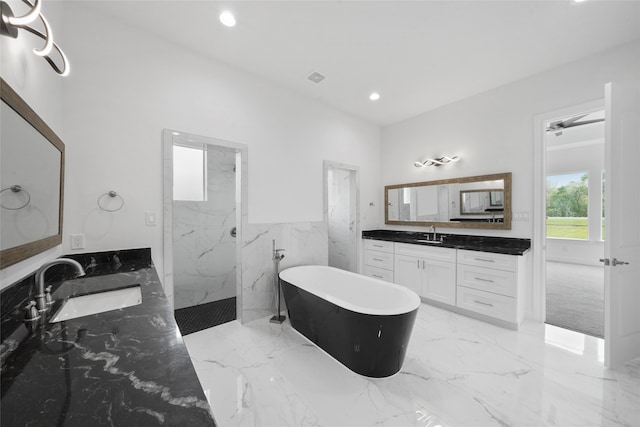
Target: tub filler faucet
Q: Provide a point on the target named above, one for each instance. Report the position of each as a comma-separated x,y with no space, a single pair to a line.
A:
277,257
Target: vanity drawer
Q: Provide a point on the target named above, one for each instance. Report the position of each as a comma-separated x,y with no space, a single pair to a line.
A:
378,273
379,259
488,260
429,252
488,279
378,245
487,303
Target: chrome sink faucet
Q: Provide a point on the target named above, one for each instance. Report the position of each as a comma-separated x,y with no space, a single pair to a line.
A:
433,230
43,298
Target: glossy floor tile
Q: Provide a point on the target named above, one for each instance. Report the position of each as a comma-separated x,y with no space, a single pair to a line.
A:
458,372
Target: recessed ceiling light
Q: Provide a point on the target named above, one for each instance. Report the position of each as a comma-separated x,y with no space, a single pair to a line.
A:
374,96
227,18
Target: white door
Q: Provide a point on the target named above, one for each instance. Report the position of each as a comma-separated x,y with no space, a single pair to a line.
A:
622,226
439,281
408,272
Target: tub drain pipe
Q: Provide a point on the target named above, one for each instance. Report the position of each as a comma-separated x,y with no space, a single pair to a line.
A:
277,257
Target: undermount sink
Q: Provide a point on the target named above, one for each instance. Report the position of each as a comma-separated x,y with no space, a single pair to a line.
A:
432,242
99,302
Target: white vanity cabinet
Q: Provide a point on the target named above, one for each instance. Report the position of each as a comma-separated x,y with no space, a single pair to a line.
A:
491,284
378,259
486,285
428,271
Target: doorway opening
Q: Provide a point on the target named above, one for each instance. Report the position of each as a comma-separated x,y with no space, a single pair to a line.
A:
202,229
342,205
574,221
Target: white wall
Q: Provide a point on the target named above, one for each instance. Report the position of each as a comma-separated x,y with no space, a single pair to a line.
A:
36,82
125,88
493,131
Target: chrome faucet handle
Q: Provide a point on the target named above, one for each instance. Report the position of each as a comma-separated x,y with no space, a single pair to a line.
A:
31,312
47,295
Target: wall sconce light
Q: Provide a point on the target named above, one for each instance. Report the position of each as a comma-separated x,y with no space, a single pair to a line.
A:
436,162
10,24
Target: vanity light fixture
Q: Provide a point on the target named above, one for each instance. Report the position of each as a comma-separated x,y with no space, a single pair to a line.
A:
436,162
227,19
10,24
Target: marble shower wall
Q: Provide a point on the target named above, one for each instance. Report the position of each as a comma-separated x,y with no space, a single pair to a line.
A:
341,216
204,252
304,243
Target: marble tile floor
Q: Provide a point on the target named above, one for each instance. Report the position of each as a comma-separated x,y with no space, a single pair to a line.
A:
458,372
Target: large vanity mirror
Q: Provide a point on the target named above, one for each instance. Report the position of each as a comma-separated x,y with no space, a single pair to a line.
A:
470,202
31,181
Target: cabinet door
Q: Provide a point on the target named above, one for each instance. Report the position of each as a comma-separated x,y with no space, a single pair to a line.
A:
439,281
407,272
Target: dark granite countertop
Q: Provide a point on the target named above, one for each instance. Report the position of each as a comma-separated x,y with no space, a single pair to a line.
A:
499,245
126,367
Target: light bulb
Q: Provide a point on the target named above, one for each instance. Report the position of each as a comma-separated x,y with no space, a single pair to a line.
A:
227,19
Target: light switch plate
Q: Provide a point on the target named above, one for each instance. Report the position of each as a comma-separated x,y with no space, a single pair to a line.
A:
151,219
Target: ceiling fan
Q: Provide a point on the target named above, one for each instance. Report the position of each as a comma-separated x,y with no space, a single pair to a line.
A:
560,125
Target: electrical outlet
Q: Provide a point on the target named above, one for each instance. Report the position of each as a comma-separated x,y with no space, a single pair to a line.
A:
77,241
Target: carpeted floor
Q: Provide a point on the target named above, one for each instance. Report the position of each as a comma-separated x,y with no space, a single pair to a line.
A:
204,316
575,297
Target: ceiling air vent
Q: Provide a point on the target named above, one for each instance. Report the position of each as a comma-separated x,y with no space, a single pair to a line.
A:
315,77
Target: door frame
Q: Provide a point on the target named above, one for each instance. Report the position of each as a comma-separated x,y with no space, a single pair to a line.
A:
169,136
325,174
539,200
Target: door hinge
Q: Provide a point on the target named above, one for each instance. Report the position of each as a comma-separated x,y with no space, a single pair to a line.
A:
615,262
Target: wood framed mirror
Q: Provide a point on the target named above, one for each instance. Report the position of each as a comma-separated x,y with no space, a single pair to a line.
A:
471,202
31,181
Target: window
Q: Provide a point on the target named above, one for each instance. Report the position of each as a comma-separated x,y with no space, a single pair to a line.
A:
568,206
189,173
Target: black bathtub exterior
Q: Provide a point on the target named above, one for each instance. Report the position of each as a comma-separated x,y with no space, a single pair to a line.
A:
370,345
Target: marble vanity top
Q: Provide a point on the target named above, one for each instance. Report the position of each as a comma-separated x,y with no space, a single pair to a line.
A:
126,367
500,245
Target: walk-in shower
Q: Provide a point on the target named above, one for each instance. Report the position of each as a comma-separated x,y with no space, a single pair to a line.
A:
342,215
203,223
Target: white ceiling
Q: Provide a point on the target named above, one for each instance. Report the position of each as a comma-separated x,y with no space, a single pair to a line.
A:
418,55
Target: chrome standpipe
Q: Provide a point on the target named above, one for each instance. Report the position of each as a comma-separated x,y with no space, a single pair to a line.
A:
277,257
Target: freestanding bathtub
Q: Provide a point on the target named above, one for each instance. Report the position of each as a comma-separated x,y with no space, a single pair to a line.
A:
363,323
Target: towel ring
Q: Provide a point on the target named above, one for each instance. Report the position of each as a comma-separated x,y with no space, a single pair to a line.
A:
112,195
16,189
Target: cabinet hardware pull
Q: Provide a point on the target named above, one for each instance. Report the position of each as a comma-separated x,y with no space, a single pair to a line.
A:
484,280
378,259
377,246
483,303
423,264
418,263
485,259
379,277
